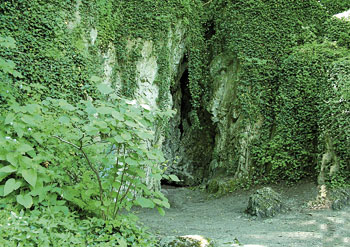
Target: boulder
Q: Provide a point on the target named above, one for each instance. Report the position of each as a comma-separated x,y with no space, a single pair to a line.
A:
340,198
264,203
186,241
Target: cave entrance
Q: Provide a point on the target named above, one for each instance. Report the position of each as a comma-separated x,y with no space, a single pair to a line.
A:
189,149
185,105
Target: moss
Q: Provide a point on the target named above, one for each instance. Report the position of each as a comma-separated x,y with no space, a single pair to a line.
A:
224,185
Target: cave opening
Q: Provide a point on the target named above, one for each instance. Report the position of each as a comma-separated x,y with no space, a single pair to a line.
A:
189,149
185,102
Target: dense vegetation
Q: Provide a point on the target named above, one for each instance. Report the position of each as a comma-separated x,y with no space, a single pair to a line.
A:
76,151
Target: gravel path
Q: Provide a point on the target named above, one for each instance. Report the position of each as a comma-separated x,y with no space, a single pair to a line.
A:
223,220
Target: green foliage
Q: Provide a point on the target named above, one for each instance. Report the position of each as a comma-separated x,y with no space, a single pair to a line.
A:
337,30
47,53
292,152
334,121
259,35
335,6
49,228
57,51
101,164
93,156
56,55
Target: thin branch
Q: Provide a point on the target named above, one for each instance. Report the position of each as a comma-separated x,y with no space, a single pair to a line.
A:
123,197
62,140
89,163
121,183
207,2
93,143
114,175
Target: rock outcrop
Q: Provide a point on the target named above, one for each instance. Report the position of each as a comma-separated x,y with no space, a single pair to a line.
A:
264,203
186,241
340,198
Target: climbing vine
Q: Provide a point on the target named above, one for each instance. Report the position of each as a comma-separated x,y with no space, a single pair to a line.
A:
283,72
276,44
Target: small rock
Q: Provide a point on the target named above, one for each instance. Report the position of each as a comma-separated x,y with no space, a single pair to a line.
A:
186,241
264,203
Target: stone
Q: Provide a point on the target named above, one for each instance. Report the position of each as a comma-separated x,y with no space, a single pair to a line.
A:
222,185
340,197
264,203
186,241
344,15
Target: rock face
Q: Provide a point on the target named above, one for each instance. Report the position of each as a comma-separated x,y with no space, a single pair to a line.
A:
222,145
264,203
186,241
189,150
234,132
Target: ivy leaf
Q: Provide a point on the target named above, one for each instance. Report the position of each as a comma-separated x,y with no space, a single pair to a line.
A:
118,116
65,105
141,173
11,185
9,118
145,203
174,178
38,137
131,161
30,176
131,124
7,42
25,200
91,130
157,176
122,242
64,120
105,89
105,110
118,139
8,169
161,211
126,136
24,148
10,157
28,119
144,135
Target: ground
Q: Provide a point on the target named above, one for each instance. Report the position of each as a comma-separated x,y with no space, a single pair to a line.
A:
223,219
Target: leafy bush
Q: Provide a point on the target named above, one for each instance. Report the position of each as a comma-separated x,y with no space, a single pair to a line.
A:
99,156
49,228
96,155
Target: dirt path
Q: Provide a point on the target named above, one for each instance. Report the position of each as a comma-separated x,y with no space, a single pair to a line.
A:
223,220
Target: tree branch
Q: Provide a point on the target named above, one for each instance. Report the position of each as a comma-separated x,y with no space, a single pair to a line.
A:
89,164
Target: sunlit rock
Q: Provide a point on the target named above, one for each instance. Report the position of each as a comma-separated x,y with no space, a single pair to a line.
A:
187,241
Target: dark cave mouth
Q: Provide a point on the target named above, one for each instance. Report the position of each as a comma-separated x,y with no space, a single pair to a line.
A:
193,145
185,105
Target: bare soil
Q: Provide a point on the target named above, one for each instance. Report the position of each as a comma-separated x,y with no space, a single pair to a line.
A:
223,219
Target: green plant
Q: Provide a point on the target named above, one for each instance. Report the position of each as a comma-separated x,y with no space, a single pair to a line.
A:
45,227
115,139
95,155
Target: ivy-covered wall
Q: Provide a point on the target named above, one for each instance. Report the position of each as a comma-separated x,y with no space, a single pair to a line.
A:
61,44
254,104
270,72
